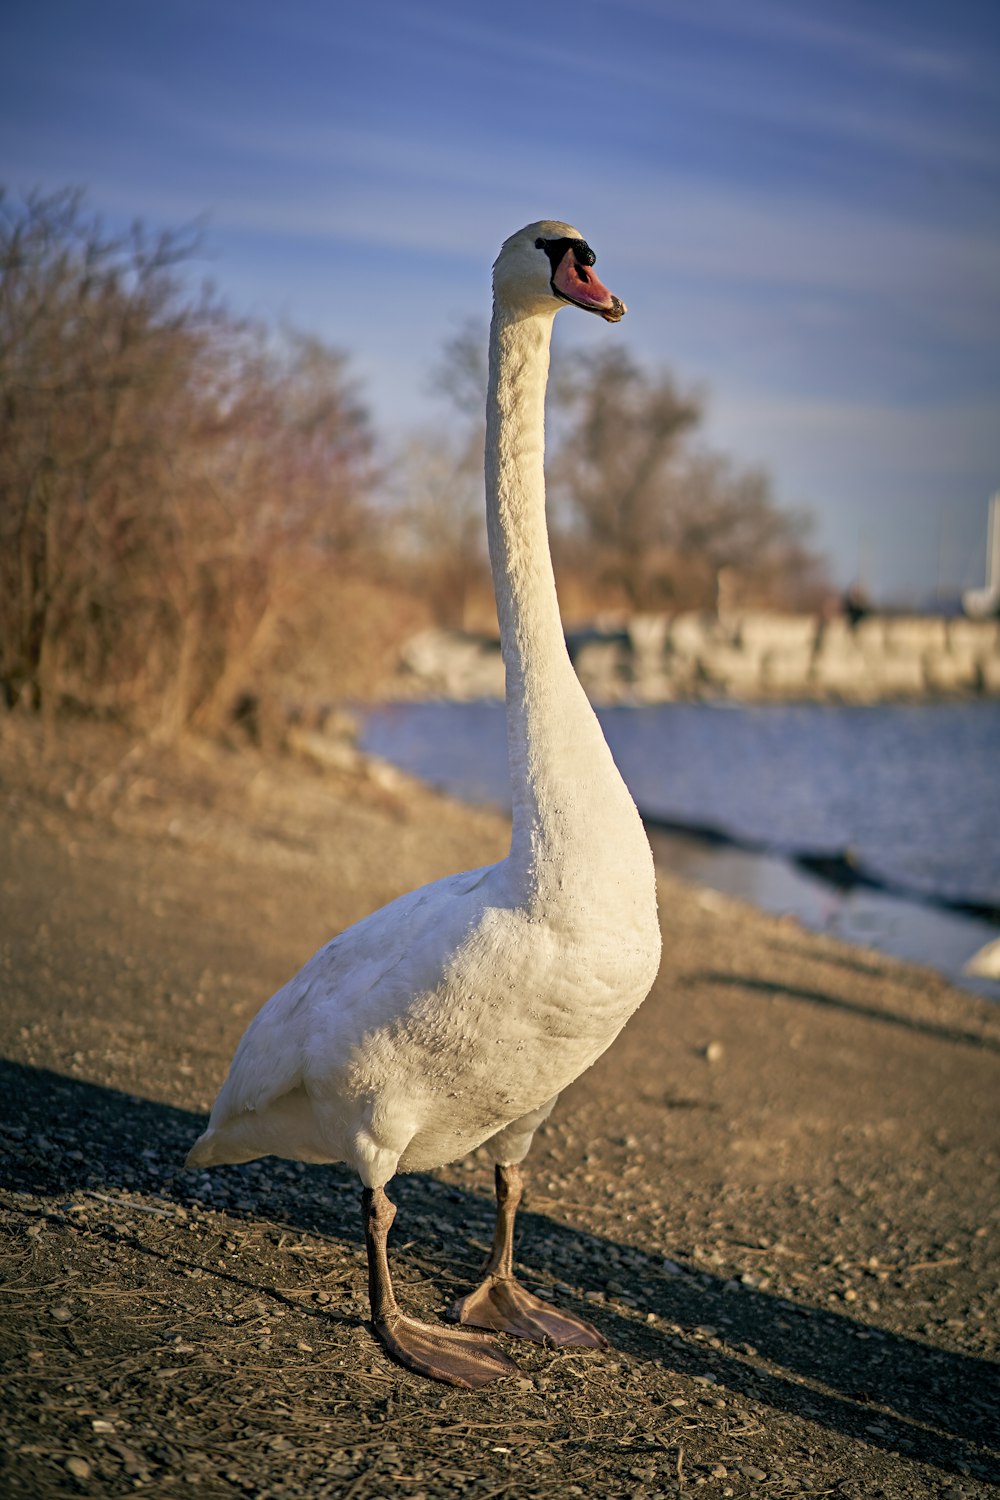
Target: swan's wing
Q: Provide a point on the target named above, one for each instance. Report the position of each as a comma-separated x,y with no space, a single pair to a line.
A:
364,978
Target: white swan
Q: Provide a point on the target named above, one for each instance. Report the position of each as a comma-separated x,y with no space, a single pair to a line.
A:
456,1014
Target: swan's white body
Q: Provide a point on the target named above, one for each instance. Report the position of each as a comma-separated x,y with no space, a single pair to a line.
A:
456,1014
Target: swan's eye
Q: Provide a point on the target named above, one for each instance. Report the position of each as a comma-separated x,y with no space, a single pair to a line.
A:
539,244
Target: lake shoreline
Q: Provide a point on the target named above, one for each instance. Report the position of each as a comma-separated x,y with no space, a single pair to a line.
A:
734,798
743,657
772,1194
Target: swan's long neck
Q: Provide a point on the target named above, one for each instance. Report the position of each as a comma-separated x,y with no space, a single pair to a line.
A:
560,766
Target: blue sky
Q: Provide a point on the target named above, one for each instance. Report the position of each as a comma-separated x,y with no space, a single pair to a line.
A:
799,202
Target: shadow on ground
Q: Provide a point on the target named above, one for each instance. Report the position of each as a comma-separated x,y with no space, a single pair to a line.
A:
892,1391
776,988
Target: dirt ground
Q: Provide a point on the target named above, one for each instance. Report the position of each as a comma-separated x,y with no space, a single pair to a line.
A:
776,1194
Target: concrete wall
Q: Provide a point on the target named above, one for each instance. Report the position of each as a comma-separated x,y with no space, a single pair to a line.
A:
753,656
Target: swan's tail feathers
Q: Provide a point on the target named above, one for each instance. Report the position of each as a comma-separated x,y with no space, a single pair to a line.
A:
288,1127
216,1148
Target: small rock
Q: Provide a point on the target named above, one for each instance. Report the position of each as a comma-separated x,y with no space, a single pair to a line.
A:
78,1467
61,1314
714,1052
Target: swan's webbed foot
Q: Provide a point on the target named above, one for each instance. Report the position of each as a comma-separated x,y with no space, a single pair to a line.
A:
502,1303
458,1358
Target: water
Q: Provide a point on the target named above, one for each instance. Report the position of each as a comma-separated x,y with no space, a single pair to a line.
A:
908,795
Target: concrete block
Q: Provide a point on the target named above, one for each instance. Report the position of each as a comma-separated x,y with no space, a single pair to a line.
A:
869,635
835,637
653,686
915,634
976,637
648,634
688,633
603,668
844,671
951,672
738,672
762,631
898,676
786,670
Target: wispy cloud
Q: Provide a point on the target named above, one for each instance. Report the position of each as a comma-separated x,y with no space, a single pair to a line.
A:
872,44
801,204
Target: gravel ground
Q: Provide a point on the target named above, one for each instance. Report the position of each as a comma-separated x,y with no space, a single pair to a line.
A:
776,1194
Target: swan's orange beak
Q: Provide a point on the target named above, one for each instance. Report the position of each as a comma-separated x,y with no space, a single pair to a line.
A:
581,286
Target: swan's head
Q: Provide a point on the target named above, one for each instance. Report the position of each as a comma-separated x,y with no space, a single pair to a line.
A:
548,264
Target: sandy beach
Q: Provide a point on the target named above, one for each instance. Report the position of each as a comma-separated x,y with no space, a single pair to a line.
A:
776,1194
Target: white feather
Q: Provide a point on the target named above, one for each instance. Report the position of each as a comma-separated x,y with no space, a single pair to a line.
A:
457,1013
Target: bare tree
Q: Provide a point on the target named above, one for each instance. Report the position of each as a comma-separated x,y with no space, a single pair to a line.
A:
167,474
462,372
441,535
439,495
728,530
277,505
651,517
94,343
616,465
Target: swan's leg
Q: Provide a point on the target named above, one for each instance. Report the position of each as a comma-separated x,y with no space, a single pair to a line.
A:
465,1359
501,1302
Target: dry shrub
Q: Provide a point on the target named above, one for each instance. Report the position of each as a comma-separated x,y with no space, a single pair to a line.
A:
167,473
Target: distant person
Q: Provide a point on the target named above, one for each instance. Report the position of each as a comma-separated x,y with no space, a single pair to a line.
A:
855,604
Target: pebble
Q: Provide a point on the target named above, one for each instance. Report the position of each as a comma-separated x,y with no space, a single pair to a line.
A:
61,1314
78,1467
